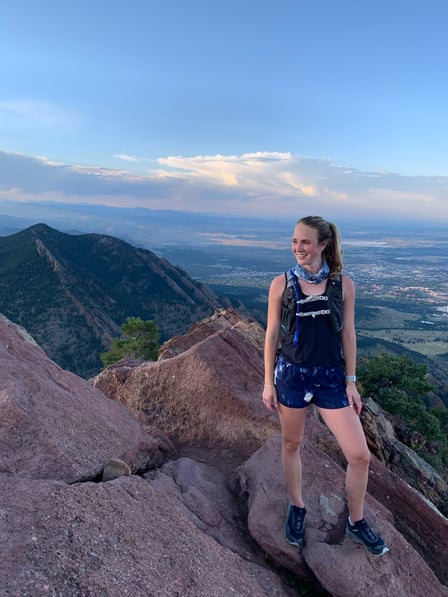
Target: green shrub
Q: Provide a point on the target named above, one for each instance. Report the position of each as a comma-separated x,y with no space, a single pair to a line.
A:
399,385
139,340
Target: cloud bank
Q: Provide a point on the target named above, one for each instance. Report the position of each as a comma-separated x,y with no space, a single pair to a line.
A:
262,184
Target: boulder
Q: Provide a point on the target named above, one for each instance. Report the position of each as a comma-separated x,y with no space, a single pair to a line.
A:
207,395
415,515
123,537
56,425
203,494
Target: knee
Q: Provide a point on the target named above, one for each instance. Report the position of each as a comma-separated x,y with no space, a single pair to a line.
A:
291,447
360,459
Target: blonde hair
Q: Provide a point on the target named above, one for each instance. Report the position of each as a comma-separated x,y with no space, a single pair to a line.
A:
329,233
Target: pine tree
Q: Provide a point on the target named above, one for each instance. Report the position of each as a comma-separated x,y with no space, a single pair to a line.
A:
139,340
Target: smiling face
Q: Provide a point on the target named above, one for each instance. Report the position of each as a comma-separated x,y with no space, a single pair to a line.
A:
306,247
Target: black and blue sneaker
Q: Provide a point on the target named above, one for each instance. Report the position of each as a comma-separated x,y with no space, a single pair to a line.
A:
361,533
294,525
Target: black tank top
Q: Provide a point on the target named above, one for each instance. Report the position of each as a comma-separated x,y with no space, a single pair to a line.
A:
318,345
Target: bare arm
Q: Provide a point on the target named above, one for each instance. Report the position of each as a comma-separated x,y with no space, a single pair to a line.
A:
271,340
348,339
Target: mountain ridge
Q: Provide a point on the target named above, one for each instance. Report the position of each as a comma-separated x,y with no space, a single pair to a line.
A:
73,292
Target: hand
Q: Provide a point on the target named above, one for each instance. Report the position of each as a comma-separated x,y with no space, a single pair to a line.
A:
354,399
270,398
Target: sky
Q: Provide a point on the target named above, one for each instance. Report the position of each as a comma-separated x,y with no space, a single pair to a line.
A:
244,107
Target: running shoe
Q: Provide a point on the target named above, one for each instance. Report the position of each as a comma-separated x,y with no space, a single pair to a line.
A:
361,533
294,525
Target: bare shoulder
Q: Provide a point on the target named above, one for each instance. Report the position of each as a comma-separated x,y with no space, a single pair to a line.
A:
348,286
278,284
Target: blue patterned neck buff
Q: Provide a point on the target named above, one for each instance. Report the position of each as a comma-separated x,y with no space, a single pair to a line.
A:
321,275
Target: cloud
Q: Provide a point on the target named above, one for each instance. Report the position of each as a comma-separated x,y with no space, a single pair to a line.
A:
129,158
40,112
247,171
269,184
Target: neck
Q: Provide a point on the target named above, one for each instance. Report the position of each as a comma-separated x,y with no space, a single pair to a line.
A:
312,277
312,268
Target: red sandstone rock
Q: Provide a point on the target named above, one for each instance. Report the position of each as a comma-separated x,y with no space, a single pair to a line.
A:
209,394
54,425
250,330
122,537
341,567
181,530
400,459
191,396
204,496
420,522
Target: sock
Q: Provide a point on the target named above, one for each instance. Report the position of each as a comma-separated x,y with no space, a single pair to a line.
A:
299,508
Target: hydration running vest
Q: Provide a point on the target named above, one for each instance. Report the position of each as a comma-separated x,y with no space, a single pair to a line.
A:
328,303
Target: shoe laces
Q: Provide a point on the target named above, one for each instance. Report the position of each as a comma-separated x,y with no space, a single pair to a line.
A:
299,517
367,530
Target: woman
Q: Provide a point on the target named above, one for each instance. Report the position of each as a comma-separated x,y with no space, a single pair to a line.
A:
310,356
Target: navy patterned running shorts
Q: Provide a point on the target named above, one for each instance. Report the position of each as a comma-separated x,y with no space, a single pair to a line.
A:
298,386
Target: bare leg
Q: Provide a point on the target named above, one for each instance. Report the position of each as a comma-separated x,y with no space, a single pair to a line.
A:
293,426
345,425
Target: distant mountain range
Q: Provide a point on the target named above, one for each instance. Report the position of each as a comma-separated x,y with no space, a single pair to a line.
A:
148,228
153,229
72,292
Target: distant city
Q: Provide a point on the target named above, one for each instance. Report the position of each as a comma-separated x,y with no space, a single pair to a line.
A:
394,269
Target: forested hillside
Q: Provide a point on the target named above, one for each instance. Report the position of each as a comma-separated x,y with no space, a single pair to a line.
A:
72,292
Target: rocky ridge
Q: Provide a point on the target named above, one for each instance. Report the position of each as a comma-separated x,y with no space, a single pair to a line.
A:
195,500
